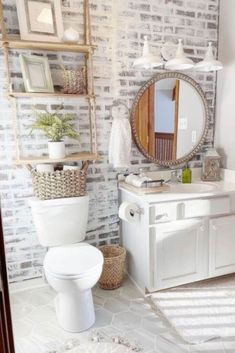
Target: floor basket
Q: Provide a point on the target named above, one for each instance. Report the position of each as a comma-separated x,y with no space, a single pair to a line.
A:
114,266
60,184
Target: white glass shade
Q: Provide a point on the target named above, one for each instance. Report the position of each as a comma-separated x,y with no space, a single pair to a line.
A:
180,62
209,63
147,60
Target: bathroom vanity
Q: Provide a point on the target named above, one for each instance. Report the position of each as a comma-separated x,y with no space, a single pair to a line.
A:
186,233
183,235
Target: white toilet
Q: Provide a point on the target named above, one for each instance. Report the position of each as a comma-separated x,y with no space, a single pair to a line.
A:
71,268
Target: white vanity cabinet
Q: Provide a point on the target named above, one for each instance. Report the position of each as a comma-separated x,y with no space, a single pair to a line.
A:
179,240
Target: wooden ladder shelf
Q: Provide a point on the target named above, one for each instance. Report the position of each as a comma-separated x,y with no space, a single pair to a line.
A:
8,43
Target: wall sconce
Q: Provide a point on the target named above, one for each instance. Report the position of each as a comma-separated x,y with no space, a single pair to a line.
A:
180,61
147,60
176,60
209,63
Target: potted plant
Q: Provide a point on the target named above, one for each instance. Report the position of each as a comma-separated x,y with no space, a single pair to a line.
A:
56,127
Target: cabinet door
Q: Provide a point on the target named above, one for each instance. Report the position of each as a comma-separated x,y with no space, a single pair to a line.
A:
179,253
222,246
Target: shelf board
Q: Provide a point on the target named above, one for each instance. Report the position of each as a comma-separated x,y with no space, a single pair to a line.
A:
66,47
42,94
82,156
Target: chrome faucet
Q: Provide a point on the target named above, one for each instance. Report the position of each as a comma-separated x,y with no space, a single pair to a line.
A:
175,176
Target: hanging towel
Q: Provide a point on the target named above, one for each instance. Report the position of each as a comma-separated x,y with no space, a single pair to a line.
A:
120,143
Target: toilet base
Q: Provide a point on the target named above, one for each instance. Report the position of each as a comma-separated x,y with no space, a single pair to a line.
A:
75,311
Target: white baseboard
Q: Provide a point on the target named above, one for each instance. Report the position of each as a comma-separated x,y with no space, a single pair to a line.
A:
136,285
25,285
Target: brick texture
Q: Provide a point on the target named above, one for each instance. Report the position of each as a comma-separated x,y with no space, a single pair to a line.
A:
118,28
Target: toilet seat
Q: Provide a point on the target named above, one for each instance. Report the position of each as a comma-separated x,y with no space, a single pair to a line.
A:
73,261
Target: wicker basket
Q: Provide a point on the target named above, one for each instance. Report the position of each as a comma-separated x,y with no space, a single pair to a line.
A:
74,81
60,184
114,266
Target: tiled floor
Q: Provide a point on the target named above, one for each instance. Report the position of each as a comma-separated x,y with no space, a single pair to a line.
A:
123,312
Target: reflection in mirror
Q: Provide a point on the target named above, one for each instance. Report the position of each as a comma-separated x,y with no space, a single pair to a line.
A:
170,119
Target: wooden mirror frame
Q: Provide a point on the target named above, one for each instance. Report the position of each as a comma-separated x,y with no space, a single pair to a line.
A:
156,78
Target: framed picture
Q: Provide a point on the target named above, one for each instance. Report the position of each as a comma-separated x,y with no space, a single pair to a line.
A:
40,20
36,73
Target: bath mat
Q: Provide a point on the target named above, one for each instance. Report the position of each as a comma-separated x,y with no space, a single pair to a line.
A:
201,311
93,342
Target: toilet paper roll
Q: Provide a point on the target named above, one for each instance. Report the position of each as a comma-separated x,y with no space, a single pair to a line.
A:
71,167
45,168
129,212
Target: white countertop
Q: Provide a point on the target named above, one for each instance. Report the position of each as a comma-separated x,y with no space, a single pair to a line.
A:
221,188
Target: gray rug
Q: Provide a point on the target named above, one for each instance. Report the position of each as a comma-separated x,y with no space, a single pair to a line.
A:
200,312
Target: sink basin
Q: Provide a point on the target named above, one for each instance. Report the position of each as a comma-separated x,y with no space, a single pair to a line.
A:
199,187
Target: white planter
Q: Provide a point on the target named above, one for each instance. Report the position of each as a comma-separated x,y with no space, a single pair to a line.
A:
56,149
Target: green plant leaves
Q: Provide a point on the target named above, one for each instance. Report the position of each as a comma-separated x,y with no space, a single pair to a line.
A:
54,126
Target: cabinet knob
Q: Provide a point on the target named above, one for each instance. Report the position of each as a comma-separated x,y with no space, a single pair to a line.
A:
160,216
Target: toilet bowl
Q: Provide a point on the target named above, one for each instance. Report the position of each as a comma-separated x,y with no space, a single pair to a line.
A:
72,271
71,266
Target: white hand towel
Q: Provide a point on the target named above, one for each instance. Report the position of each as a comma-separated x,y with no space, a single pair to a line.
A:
130,178
136,180
120,143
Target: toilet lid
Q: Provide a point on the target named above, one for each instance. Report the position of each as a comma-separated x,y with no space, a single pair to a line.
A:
73,260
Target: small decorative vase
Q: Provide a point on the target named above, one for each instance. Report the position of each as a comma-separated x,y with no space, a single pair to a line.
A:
71,35
56,149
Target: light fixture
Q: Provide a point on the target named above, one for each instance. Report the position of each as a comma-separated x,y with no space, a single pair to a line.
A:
180,61
176,59
147,60
209,63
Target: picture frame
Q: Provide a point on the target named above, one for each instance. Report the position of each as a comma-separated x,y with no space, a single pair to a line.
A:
36,74
40,20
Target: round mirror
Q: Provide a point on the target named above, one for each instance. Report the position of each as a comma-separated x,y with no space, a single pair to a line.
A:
170,118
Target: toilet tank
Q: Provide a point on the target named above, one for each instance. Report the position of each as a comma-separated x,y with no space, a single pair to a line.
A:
60,221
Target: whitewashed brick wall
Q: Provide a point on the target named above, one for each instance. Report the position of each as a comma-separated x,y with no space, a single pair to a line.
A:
118,28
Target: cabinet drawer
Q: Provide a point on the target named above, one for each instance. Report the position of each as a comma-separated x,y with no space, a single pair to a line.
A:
209,207
163,212
171,211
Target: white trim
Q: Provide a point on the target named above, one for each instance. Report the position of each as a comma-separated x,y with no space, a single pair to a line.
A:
28,284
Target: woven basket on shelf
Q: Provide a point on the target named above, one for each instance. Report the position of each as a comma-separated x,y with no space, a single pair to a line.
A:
74,81
60,184
114,266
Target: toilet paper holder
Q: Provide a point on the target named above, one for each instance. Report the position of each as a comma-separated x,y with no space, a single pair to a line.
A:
130,212
138,211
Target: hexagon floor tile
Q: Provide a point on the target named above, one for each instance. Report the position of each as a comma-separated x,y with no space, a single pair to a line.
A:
123,316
